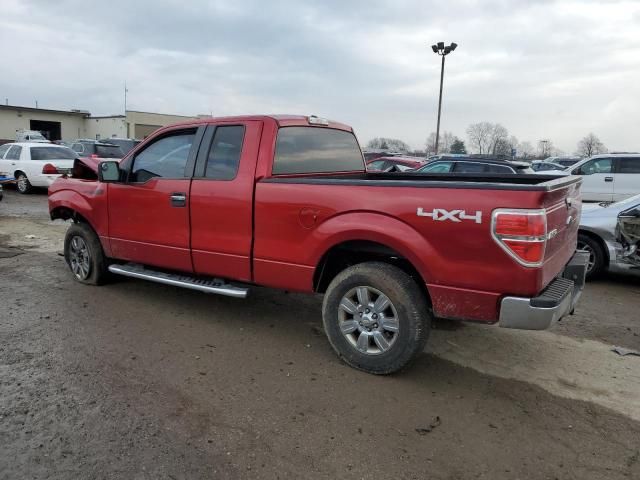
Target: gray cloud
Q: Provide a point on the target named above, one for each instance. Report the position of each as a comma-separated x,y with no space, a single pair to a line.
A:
542,68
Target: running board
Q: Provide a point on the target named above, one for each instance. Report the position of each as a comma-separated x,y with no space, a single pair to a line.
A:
213,285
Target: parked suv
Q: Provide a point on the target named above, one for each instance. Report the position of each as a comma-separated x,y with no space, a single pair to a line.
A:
609,177
474,165
97,149
125,144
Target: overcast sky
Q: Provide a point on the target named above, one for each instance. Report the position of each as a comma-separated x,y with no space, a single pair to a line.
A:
543,69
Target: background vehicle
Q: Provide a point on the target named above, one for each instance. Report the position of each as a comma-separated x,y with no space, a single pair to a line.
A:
35,164
598,236
88,148
32,136
544,166
564,161
125,144
609,177
220,204
384,164
474,165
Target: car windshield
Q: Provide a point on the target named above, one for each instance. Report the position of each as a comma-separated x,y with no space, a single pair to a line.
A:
109,151
52,153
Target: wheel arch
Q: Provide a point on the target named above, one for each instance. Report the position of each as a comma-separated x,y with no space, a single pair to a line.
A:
600,241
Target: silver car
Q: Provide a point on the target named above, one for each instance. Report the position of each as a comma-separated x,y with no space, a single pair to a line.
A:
611,235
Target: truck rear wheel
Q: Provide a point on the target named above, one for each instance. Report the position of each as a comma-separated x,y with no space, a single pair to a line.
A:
376,317
83,253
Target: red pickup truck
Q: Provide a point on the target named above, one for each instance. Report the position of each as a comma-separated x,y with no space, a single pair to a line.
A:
221,204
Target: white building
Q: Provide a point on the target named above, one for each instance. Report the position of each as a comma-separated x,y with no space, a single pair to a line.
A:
73,124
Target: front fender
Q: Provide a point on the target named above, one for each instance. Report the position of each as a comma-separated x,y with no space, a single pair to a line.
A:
87,199
374,227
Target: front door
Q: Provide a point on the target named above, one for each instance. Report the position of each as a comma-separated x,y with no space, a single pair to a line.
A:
627,177
597,180
149,211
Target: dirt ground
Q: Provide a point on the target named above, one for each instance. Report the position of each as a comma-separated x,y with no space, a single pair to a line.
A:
142,381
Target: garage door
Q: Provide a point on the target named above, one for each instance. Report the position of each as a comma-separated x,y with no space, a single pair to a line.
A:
142,131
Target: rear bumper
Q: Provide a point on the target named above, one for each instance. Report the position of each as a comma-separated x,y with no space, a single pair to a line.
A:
558,299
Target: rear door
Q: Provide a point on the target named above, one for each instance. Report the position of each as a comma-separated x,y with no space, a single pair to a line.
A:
149,211
222,200
597,179
626,177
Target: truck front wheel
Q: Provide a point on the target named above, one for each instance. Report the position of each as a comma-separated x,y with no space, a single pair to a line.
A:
376,317
83,253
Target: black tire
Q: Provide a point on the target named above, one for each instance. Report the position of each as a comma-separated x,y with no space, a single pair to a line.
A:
23,185
96,261
597,258
408,306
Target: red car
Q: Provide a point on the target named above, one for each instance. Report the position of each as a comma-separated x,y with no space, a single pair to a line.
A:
384,164
221,204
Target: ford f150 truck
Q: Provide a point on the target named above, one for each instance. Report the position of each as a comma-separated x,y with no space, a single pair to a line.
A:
221,204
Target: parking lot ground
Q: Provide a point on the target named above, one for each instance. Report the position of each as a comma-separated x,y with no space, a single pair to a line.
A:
140,380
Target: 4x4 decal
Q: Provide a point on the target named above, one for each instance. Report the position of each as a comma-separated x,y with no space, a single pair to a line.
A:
457,216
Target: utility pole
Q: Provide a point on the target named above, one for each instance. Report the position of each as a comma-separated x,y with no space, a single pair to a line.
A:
443,51
125,98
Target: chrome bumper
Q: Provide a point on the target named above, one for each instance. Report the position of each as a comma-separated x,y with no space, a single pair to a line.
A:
558,299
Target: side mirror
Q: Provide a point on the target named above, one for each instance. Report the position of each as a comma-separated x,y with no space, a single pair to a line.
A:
108,172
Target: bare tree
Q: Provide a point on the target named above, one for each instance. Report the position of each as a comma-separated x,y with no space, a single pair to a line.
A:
591,145
525,150
391,144
480,136
499,136
444,144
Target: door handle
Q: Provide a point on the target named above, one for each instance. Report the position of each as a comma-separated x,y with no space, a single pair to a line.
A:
608,179
178,199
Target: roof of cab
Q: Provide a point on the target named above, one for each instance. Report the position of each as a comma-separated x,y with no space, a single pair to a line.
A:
281,120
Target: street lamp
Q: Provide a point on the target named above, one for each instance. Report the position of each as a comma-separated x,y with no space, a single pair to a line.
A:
443,51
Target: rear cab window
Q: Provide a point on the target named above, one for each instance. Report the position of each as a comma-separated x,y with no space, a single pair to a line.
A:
302,150
52,153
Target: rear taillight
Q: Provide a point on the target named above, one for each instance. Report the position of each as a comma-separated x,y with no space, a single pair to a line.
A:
93,155
521,233
49,169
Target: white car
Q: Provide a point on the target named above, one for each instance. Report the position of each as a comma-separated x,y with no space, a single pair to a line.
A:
35,164
609,177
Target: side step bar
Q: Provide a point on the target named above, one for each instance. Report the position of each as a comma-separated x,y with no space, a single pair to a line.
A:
213,285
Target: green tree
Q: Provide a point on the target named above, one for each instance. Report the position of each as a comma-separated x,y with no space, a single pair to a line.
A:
457,146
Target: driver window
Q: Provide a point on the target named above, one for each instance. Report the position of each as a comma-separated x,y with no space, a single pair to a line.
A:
166,157
598,165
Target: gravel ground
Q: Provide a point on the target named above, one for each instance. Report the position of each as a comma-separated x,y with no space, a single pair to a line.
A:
140,380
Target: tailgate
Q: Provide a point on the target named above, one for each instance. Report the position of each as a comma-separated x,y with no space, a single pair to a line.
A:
563,208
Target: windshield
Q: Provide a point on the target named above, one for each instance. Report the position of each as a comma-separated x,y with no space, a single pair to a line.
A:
52,153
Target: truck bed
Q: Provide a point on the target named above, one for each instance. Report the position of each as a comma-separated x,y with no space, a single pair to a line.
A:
489,181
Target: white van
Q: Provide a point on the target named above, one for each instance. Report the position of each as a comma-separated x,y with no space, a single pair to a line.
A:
30,136
35,164
609,177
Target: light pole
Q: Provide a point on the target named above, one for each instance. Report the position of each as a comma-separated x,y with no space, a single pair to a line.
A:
443,51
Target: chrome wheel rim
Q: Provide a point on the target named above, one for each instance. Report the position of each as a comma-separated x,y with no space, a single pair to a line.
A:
592,255
79,258
22,183
368,320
